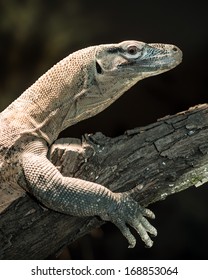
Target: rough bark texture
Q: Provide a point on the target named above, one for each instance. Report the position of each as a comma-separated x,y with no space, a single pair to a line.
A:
152,162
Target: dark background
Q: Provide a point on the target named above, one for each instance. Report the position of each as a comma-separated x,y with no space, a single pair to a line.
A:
35,34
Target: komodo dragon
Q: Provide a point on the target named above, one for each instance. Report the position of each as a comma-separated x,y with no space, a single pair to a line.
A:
76,88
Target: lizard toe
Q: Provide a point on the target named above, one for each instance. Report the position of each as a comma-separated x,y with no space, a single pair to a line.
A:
146,212
126,233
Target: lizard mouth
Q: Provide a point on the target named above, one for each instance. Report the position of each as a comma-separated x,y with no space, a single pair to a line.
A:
156,57
164,62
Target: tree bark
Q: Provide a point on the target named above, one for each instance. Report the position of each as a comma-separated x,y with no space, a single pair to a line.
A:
151,162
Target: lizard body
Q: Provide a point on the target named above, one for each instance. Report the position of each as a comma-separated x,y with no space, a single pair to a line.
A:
78,87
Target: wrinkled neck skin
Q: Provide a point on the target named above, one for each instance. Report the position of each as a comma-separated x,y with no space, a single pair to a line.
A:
74,103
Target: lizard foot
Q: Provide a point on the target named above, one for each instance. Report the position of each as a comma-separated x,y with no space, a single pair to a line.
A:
128,211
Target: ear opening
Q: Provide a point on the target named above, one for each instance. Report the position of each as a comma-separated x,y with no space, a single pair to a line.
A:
98,68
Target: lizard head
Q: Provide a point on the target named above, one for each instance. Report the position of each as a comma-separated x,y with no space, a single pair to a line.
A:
135,60
114,69
117,67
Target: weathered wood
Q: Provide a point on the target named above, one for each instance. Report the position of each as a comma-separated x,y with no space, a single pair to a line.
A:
152,162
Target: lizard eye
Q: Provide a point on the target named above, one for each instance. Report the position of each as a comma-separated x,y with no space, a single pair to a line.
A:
132,50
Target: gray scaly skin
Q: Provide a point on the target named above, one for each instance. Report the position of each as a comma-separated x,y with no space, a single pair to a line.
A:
78,87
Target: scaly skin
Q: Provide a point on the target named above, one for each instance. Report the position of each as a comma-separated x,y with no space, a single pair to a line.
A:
78,87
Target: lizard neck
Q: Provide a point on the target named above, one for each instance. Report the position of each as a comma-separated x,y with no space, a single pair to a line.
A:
49,105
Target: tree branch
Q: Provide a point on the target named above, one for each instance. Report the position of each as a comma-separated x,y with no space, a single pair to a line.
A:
152,162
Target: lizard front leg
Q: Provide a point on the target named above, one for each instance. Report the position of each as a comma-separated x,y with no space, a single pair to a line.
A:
82,198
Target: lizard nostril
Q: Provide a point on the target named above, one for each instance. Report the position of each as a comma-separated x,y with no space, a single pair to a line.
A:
175,49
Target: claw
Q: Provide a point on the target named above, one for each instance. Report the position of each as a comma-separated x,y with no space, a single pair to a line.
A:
132,245
153,231
149,244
